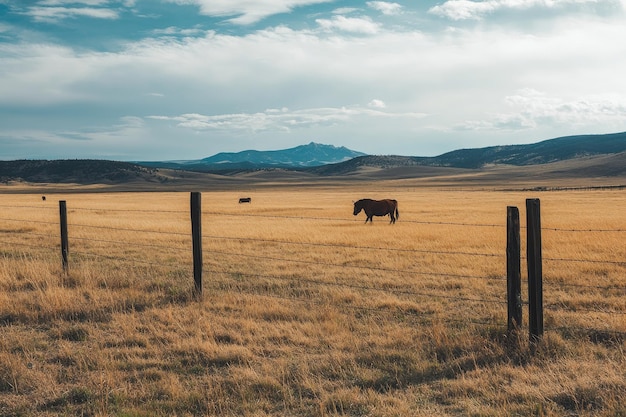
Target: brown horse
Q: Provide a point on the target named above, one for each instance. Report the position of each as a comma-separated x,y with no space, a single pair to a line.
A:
377,208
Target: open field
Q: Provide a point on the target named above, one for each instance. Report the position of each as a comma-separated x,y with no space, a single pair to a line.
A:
307,311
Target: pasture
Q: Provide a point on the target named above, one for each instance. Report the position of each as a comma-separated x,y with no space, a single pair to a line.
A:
306,310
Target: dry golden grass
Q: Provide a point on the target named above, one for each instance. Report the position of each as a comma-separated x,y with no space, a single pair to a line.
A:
306,310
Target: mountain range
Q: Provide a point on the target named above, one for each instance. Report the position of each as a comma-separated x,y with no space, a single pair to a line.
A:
585,155
328,159
303,156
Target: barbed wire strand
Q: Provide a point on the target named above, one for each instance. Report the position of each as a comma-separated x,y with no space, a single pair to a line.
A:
126,229
370,309
317,244
592,261
590,330
46,207
548,283
145,245
334,245
546,228
39,247
367,288
556,308
343,219
29,221
117,258
270,258
557,229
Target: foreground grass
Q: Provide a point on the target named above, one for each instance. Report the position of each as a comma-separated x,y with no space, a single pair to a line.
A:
306,311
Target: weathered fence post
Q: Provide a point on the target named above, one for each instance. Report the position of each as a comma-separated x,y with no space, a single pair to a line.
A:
513,270
64,238
196,237
535,274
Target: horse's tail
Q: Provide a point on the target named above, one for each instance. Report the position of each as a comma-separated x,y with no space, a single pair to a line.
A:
397,212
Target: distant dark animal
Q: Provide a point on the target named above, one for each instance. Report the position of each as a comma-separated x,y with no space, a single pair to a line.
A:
377,208
43,197
245,200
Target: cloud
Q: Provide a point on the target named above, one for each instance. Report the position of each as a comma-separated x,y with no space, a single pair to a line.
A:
377,104
385,7
532,109
88,142
53,14
363,25
175,31
246,11
345,10
74,2
282,119
126,126
467,9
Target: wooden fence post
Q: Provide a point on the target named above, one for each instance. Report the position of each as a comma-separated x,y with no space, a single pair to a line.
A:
196,237
64,238
535,273
513,270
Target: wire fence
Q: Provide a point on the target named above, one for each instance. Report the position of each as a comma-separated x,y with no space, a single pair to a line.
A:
311,272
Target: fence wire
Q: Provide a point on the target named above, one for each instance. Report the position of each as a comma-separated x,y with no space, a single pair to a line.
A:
555,307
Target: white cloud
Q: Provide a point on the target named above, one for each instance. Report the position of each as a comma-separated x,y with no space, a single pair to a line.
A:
532,109
542,107
46,143
347,10
468,9
175,31
73,2
53,14
385,7
363,25
377,104
246,12
40,74
282,119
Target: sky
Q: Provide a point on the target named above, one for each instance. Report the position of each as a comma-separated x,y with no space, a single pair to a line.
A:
148,80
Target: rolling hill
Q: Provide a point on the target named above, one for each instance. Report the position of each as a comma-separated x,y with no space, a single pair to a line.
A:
80,171
552,150
548,151
591,156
